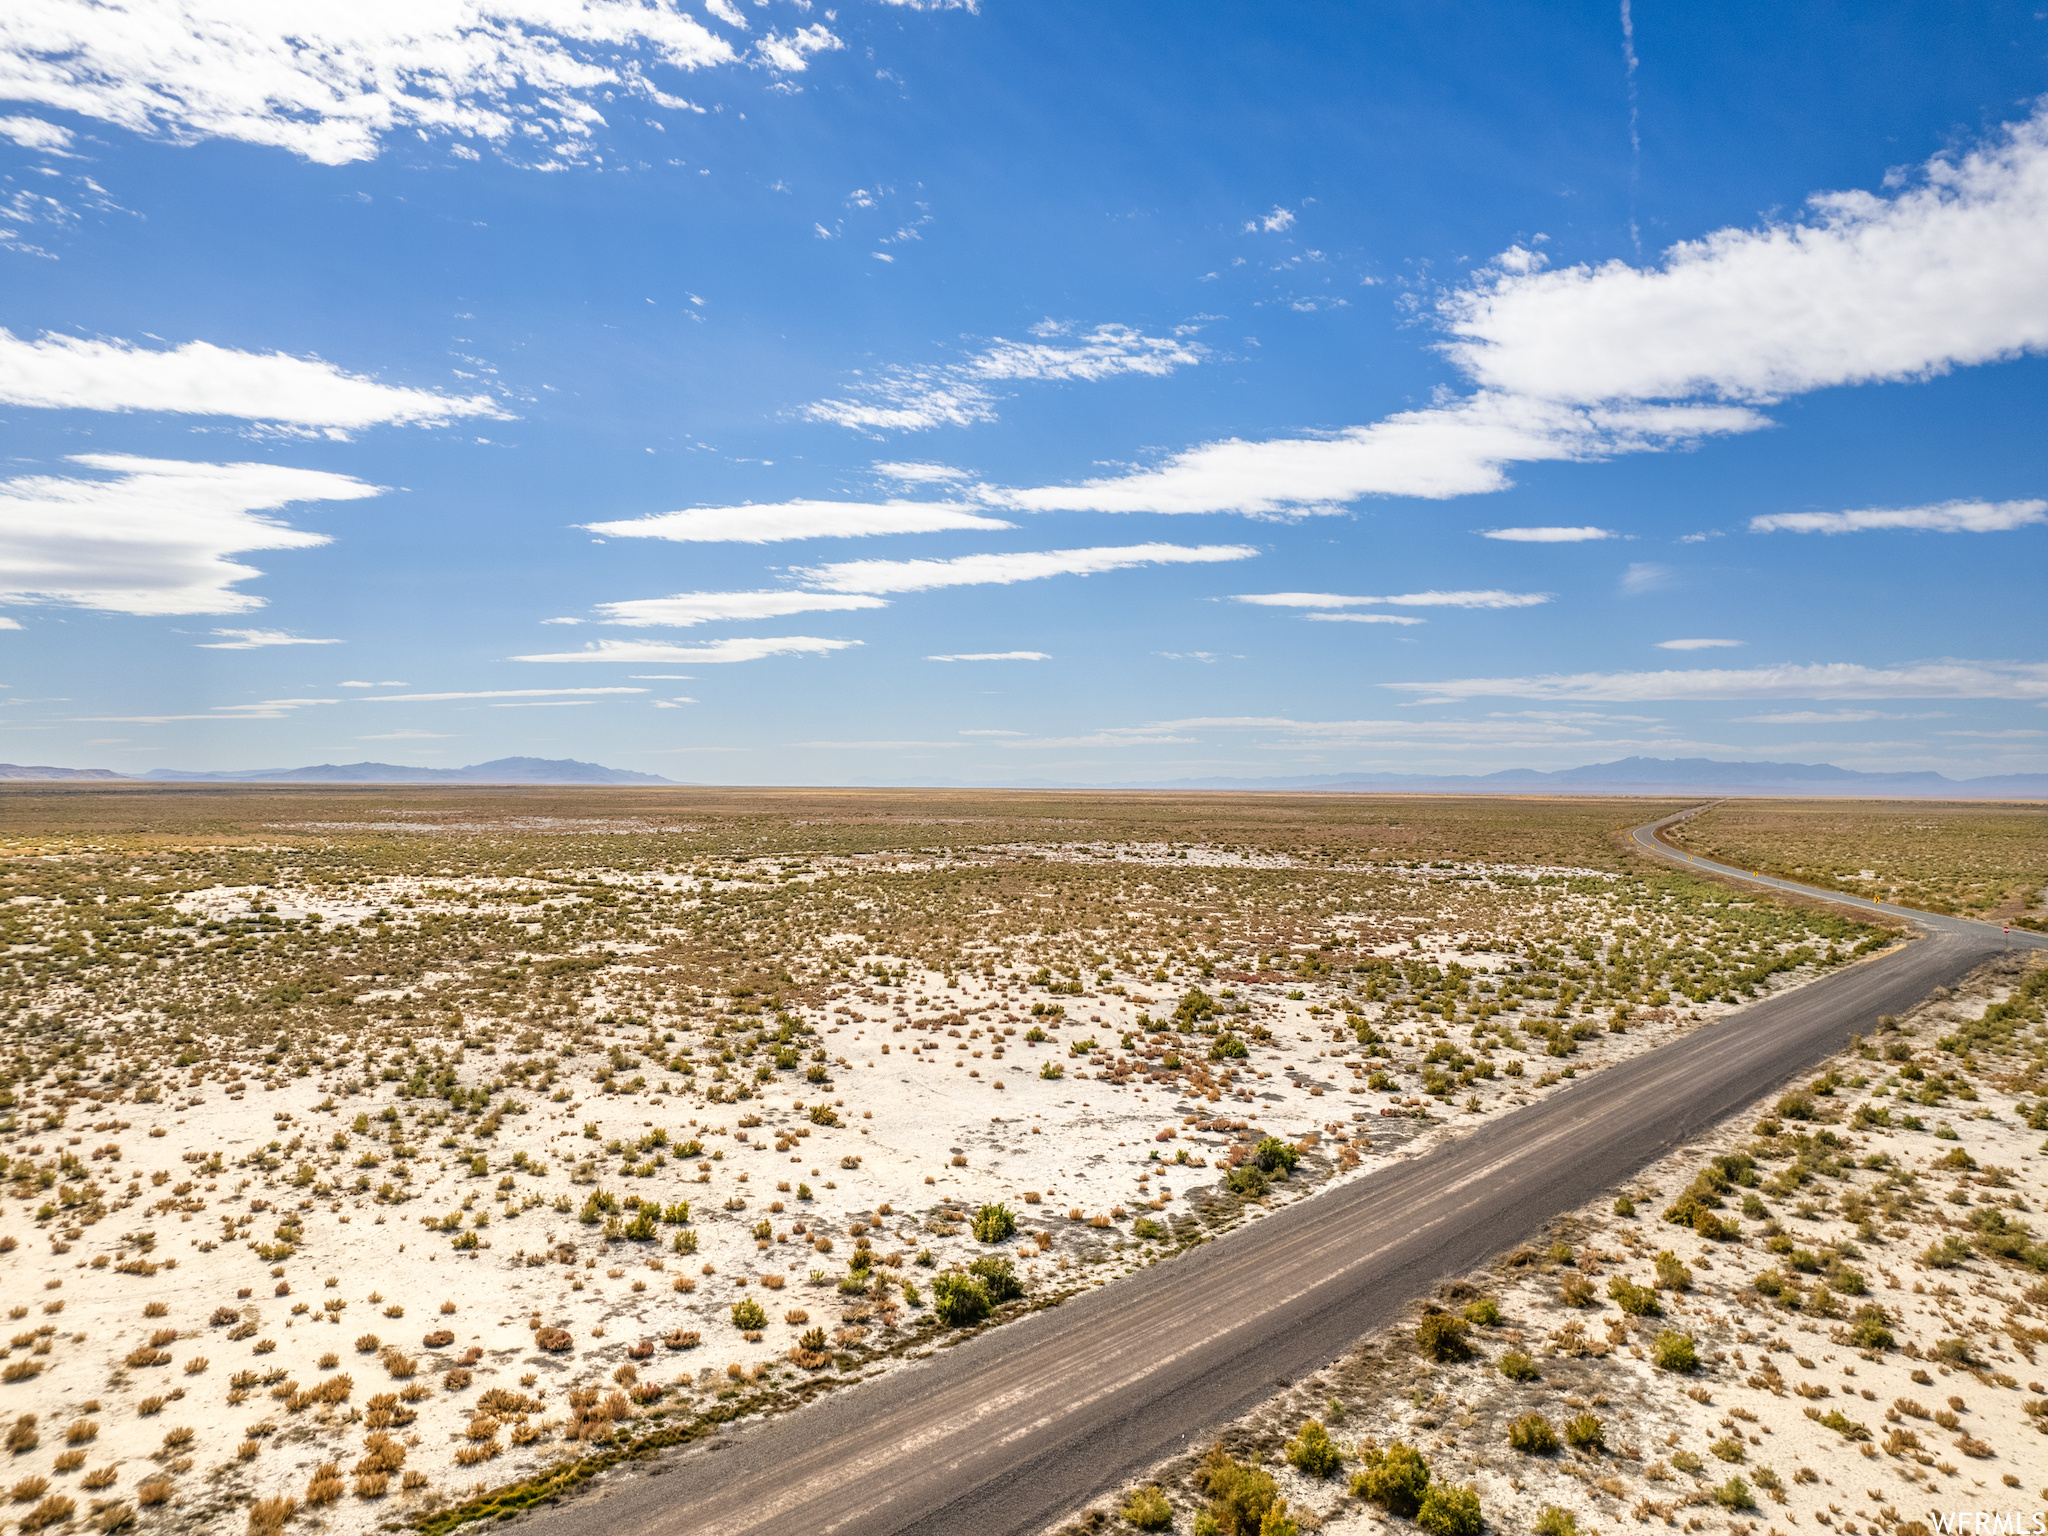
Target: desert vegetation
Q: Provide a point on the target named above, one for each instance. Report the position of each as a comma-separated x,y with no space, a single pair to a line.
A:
585,1121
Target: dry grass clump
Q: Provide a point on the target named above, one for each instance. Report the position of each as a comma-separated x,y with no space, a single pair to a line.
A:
326,1485
268,1516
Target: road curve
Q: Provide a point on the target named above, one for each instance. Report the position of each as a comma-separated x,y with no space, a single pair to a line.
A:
1012,1429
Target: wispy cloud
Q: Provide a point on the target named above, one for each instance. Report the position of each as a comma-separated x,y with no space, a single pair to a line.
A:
773,522
993,656
199,379
1835,717
1645,576
487,693
34,133
156,536
709,653
1697,645
1491,597
1941,517
257,639
688,608
1548,535
1824,680
1361,618
912,472
960,394
979,570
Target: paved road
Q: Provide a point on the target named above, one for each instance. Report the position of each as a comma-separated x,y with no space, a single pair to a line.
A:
1011,1430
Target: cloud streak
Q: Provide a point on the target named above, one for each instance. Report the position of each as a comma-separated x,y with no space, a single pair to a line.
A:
688,608
257,639
199,379
776,522
1491,597
1941,517
710,652
1034,565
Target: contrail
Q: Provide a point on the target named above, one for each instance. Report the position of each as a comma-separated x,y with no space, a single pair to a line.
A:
1635,138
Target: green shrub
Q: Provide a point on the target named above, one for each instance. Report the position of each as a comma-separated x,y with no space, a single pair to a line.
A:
1396,1479
1451,1509
1675,1352
1241,1498
1148,1510
749,1313
643,1228
1672,1274
1148,1229
1552,1521
1227,1048
1517,1366
1687,1462
1485,1313
1584,1432
1729,1448
1635,1300
997,1278
1246,1180
1441,1337
1869,1330
1623,1206
1275,1156
959,1300
993,1223
1532,1435
1313,1451
1946,1254
1577,1291
1734,1494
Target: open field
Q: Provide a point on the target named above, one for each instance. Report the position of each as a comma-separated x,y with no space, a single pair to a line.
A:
1827,1314
572,1113
1988,861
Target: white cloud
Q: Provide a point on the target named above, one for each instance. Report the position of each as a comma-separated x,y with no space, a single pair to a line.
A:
709,652
986,733
993,656
1868,288
1277,222
69,373
1548,535
156,537
371,685
331,82
1361,618
257,639
958,394
910,472
1458,449
978,570
34,133
687,608
1491,597
10,623
1942,517
263,709
776,521
1697,645
727,12
790,53
1824,680
488,693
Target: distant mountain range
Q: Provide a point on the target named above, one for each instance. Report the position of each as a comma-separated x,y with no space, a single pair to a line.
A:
1627,776
504,770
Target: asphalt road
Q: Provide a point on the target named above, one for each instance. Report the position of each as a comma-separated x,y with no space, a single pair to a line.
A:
1013,1429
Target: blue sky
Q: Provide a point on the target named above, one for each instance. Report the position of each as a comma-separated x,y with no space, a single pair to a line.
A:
1225,391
